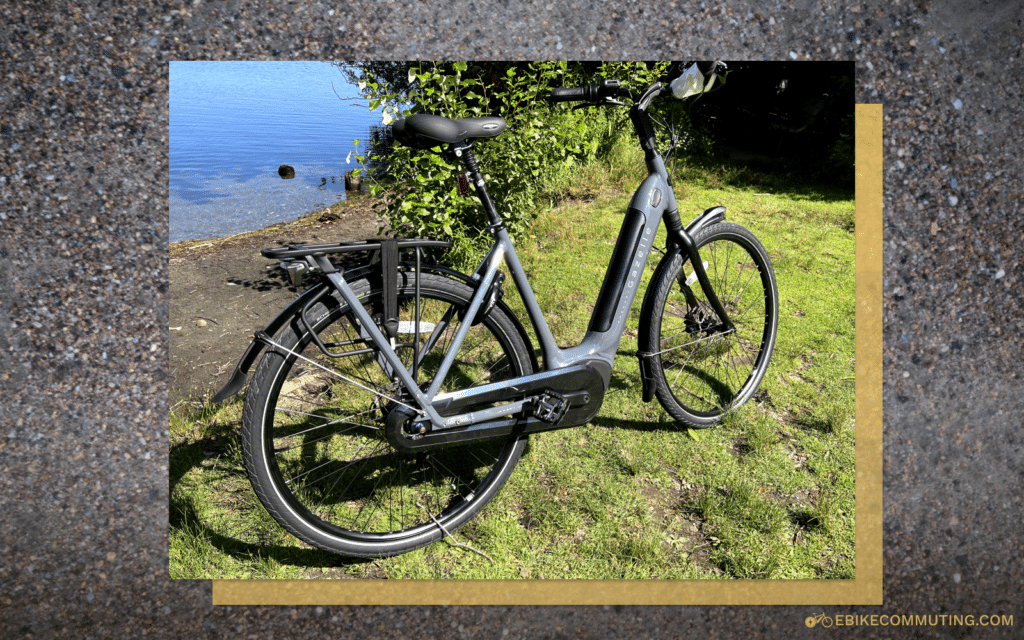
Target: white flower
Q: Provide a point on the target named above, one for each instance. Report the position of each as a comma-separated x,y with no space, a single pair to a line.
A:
348,160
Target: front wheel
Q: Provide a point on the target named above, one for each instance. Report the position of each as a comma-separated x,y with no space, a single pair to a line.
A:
314,426
700,370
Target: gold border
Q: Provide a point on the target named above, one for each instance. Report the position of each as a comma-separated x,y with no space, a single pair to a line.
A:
865,589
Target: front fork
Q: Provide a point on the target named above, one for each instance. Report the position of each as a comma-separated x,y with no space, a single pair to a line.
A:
684,240
682,237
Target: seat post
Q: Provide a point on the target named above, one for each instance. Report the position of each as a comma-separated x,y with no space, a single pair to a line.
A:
465,151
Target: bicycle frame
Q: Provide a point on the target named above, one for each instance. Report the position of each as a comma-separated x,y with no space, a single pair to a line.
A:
582,372
363,461
570,388
636,238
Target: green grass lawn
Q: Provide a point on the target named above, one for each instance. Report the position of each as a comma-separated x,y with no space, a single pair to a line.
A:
631,495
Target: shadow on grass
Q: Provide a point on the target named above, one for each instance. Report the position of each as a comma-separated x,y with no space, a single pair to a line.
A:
825,425
183,515
806,518
776,176
644,426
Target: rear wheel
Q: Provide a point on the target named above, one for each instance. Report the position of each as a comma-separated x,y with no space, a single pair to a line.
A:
700,370
313,426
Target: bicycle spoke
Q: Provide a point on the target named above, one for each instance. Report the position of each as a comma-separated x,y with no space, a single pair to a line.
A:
367,374
307,443
331,459
345,491
687,344
326,424
368,501
347,379
445,468
305,473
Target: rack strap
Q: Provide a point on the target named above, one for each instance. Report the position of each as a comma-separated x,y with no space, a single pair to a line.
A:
389,279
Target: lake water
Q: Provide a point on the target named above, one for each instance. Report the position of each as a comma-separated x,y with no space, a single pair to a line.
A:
232,124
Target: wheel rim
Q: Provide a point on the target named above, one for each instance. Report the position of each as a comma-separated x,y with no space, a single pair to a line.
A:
709,371
330,460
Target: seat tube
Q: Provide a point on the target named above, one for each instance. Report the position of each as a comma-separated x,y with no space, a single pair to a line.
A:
465,152
467,323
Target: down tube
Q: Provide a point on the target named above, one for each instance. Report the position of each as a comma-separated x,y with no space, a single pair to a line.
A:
632,251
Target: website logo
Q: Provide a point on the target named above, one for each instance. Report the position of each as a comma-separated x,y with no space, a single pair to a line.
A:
821,619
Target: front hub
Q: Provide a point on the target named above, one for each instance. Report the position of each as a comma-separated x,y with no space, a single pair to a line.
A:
701,319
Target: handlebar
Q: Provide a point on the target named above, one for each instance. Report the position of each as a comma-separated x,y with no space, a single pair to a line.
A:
609,89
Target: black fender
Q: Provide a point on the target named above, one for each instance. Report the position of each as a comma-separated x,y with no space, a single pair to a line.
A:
292,311
252,352
645,346
709,216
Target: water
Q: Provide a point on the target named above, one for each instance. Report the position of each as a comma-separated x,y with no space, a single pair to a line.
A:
232,124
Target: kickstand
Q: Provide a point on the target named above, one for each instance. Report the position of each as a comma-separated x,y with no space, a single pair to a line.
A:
450,537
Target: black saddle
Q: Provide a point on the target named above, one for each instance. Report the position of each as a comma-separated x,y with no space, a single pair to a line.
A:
424,130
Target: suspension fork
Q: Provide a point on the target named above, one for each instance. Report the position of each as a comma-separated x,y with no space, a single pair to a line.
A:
680,237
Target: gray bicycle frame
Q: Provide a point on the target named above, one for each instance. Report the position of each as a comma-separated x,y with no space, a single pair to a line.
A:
650,202
653,201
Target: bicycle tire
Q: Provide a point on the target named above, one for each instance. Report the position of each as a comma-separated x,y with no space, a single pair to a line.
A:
700,374
314,444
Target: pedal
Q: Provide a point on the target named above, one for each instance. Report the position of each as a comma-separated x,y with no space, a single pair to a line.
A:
549,407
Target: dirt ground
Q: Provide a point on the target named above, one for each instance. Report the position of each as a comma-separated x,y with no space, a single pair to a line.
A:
224,290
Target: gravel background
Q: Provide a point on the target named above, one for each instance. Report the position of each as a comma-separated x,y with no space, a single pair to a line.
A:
83,285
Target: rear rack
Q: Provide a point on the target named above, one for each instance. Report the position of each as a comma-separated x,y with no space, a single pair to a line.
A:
303,250
301,260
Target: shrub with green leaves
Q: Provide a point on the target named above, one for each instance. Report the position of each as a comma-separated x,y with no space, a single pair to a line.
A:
544,142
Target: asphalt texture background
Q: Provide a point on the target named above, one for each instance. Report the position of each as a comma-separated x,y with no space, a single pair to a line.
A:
84,297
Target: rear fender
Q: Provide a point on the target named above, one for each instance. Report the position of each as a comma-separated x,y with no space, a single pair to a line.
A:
252,352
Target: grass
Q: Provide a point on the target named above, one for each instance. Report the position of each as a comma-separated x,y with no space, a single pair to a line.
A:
631,495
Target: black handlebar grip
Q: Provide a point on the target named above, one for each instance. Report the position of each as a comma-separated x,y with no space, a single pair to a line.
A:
569,94
590,93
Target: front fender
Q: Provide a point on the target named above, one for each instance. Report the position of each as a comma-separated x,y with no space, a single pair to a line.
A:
709,216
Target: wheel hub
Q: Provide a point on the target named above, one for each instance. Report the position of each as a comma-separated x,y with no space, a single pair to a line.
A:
701,319
402,425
